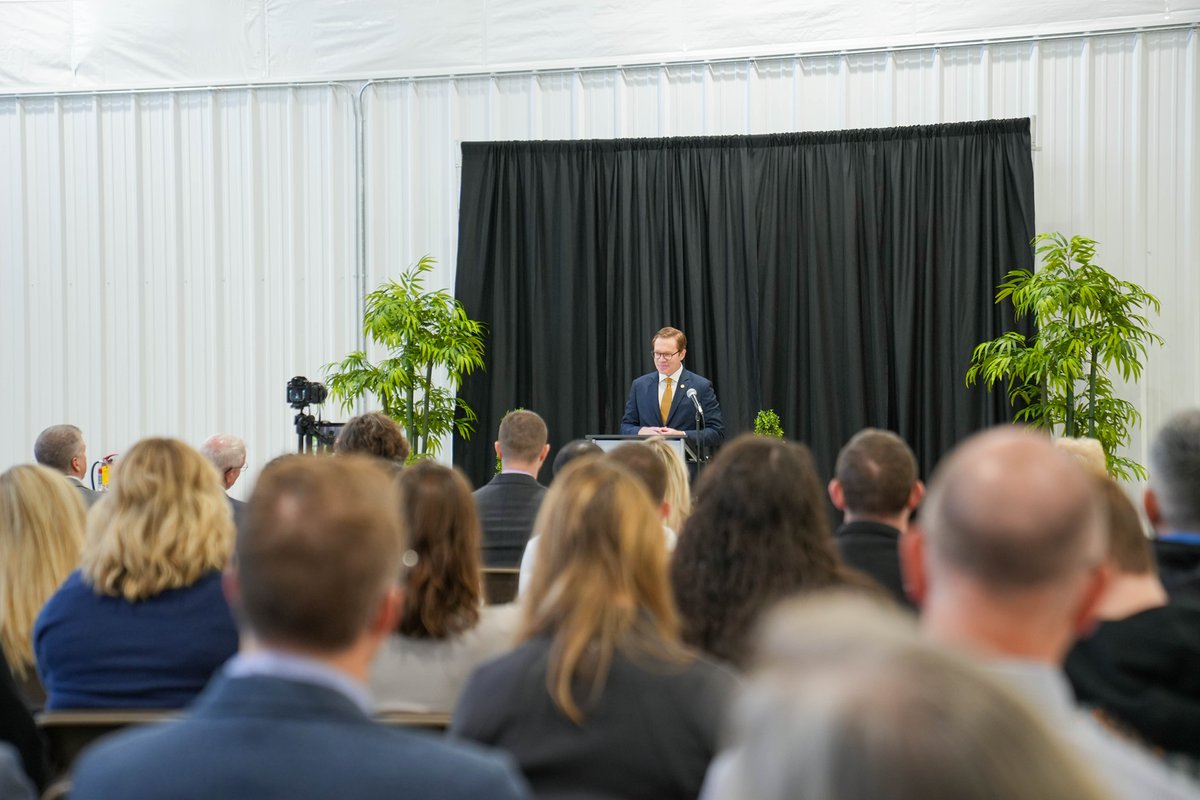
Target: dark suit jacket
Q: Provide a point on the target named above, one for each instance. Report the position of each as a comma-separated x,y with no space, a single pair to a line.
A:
507,507
269,738
641,410
874,548
238,507
1179,569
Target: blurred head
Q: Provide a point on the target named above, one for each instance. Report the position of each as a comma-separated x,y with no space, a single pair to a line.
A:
1012,528
228,455
522,439
319,559
163,523
42,519
1173,497
648,467
758,533
573,450
373,434
600,579
61,447
846,703
443,589
1129,550
1088,452
679,487
876,475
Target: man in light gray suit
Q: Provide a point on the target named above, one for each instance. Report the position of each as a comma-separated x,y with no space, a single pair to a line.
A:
315,586
61,447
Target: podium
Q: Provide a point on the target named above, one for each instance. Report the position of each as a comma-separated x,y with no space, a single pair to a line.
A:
679,443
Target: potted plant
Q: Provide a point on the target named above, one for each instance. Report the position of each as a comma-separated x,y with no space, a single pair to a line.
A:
421,332
1089,324
767,423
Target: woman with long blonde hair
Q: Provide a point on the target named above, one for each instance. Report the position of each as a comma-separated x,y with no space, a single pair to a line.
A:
679,487
601,698
41,535
143,622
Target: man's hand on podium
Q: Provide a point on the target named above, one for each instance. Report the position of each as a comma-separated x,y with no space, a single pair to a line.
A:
659,431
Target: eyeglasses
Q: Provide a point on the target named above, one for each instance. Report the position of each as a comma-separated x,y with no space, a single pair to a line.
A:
664,356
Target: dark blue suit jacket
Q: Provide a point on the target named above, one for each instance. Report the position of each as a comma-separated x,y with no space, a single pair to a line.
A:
264,737
641,410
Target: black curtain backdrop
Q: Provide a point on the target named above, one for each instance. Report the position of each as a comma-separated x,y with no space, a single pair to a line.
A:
840,278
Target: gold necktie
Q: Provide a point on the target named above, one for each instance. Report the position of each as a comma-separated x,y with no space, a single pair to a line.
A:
664,407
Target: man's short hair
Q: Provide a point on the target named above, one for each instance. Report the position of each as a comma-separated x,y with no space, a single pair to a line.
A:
373,434
57,445
322,544
226,452
670,333
1175,471
1128,548
1013,512
522,436
646,465
877,470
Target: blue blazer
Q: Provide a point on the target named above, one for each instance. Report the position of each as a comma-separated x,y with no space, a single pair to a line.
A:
641,410
270,738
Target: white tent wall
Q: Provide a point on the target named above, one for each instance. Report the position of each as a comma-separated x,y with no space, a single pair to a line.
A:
167,261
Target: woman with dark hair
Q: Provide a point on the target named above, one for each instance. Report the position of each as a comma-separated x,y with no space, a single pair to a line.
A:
758,533
445,631
601,699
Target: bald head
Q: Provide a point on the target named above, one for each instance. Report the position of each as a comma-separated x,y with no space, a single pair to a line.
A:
1009,511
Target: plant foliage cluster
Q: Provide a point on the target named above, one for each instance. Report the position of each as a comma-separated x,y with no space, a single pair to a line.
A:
767,423
1089,324
425,335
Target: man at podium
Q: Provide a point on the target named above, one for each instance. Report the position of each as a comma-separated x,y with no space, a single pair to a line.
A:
664,401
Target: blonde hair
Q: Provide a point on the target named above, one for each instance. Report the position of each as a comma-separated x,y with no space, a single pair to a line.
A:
600,583
679,488
165,522
42,518
1088,452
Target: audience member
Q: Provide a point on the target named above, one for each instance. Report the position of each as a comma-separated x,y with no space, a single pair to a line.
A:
61,447
646,465
1088,452
228,455
1133,667
844,702
875,486
679,487
601,699
18,730
374,434
1172,503
759,532
314,584
41,536
446,630
509,502
571,451
143,623
1008,563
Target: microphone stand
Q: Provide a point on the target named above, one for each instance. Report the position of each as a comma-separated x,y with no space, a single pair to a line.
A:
701,447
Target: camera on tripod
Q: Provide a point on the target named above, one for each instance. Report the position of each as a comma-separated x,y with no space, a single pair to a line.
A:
302,392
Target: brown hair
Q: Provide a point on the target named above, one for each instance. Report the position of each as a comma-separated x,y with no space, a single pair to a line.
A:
522,436
670,333
42,518
646,465
759,532
164,523
876,470
443,589
321,547
599,584
373,434
1128,548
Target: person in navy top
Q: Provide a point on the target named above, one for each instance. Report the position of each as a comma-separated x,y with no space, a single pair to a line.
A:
143,622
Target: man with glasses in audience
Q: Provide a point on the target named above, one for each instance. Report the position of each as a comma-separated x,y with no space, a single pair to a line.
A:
228,455
659,404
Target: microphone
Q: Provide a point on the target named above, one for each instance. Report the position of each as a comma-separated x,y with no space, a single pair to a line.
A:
691,393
